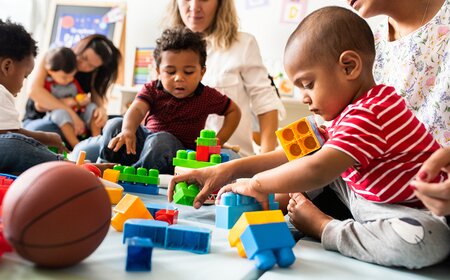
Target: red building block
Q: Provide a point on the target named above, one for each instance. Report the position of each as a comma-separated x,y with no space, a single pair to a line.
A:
167,215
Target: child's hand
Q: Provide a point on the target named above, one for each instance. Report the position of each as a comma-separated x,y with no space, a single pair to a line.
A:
69,102
125,137
54,140
324,132
83,99
248,187
100,117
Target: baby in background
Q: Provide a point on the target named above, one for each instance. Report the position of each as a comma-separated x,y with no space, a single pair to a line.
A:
61,66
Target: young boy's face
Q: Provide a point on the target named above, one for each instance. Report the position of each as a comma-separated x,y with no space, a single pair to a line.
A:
62,78
180,72
14,72
322,85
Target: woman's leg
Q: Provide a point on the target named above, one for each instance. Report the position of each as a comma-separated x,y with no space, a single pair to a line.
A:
19,152
41,125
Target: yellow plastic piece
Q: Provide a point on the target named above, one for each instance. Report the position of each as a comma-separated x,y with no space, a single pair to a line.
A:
298,138
115,194
130,206
111,175
251,218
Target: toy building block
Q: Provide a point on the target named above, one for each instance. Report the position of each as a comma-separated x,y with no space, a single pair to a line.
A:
166,215
259,244
186,238
185,194
251,218
204,152
188,159
300,138
138,180
130,206
114,190
155,230
207,138
4,245
5,182
154,207
93,169
233,205
139,254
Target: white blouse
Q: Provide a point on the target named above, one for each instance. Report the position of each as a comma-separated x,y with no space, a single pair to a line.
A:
239,73
418,66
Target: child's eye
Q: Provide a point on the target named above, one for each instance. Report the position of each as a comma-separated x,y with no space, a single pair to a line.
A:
170,72
309,86
189,73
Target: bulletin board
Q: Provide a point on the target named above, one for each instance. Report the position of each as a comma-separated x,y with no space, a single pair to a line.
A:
69,21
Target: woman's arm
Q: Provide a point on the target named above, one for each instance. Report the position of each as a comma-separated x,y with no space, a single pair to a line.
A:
230,122
268,123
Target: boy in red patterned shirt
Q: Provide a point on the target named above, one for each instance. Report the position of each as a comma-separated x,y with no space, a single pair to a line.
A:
175,107
375,148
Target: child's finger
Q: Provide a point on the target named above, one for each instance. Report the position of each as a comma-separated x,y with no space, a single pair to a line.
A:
435,190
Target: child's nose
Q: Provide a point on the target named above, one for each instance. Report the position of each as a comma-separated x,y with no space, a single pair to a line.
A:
179,77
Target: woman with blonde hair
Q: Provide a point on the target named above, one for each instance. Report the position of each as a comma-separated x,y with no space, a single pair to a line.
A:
234,67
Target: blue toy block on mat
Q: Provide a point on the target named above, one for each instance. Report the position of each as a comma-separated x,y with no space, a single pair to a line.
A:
155,230
233,205
193,239
139,256
154,207
269,244
139,188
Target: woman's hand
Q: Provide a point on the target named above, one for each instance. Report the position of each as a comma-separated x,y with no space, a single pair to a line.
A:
100,116
126,137
248,187
209,179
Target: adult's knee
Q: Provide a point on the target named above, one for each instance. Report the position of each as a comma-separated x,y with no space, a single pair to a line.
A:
112,127
41,125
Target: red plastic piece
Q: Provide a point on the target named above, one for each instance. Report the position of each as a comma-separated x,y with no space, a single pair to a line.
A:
4,186
92,168
167,215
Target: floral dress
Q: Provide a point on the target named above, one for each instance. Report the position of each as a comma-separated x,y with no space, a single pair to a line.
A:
418,66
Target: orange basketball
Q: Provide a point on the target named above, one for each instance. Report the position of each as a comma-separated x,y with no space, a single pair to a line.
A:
56,214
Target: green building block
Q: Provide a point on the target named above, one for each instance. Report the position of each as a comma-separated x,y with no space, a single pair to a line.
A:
185,159
139,175
185,194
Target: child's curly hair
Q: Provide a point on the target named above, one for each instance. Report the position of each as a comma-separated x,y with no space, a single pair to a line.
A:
180,38
15,42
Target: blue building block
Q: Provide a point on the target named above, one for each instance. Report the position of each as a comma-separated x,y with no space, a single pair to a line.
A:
268,244
233,205
139,188
154,207
193,239
155,230
225,157
139,256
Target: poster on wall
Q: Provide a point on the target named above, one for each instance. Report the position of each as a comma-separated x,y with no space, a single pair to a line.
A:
72,21
293,11
250,4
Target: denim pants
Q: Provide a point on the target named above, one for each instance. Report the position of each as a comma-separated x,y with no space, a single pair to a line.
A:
20,152
153,150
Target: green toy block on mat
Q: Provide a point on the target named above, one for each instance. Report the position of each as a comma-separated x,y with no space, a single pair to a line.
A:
185,194
187,159
140,175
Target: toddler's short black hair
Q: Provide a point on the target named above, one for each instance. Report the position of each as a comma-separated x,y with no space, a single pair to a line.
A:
61,58
15,42
180,38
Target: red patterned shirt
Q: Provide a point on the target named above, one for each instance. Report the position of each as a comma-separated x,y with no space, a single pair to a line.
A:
183,118
388,143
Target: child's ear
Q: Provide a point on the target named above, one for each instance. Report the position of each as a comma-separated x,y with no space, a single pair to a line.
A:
202,72
6,66
351,64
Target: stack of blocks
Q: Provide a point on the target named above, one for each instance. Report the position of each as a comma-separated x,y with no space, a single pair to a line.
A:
300,138
136,180
175,237
265,237
232,206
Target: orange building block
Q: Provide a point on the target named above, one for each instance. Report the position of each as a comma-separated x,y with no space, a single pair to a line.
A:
130,206
300,138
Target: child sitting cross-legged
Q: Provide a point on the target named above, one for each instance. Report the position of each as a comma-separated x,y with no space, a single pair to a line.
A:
175,107
374,150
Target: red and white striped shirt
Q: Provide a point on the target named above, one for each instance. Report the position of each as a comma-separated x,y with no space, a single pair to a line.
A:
388,143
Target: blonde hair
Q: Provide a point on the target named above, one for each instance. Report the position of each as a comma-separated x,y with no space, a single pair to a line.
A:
223,31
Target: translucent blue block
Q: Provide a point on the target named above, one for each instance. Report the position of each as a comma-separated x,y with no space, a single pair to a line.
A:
139,254
186,238
155,230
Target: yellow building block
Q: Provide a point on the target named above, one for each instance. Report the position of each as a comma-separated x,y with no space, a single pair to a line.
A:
130,206
111,175
300,138
251,218
114,190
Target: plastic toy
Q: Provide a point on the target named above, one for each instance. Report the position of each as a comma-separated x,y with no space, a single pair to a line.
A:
154,207
5,181
139,254
138,180
300,138
185,194
176,237
56,214
169,216
130,206
233,205
188,159
114,190
253,235
4,245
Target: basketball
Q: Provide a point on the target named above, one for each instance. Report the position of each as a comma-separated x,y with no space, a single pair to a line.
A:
56,214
